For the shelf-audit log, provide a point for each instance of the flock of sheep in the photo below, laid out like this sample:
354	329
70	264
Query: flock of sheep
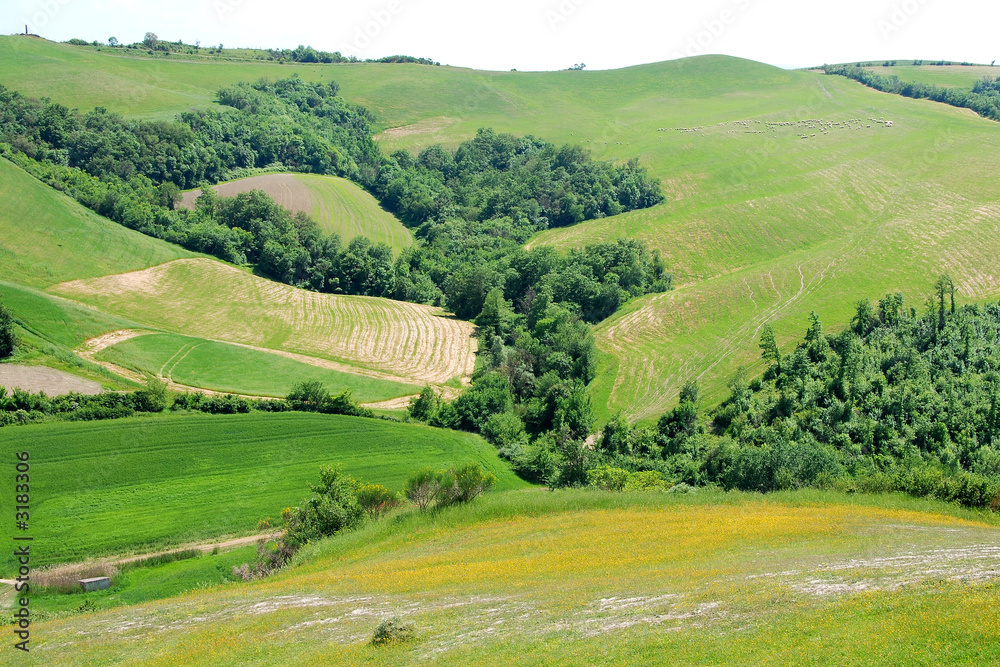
817	125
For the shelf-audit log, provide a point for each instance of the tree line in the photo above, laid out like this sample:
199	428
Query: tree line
905	399
984	98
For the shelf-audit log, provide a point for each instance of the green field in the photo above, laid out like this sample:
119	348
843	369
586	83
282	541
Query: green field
196	362
583	577
338	205
140	484
46	237
758	227
403	342
943	76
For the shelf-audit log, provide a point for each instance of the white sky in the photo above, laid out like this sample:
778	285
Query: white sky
542	34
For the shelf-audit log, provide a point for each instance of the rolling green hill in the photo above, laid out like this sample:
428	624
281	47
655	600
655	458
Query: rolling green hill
576	577
761	225
336	204
138	484
47	238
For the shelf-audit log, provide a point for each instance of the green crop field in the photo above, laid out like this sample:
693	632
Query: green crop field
46	237
337	204
583	577
761	225
139	484
195	362
205	298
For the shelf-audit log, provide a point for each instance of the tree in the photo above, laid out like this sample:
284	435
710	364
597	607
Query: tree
112	42
769	346
150	40
8	338
308	396
944	287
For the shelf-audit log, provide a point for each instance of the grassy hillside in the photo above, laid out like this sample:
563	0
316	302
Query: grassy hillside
575	578
760	226
943	76
46	237
205	298
196	362
109	487
338	205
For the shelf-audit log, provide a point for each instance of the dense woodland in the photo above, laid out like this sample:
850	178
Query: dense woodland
901	400
984	98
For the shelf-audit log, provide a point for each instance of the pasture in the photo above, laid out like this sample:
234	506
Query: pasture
578	577
146	483
222	367
336	204
46	237
943	76
391	340
762	225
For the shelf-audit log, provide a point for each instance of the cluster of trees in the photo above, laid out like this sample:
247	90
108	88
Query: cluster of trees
900	401
473	208
340	503
8	334
22	407
984	98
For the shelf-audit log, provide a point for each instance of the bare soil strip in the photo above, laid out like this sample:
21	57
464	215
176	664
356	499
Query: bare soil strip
41	378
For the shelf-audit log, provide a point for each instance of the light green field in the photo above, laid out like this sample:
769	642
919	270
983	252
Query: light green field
338	205
577	577
204	364
46	237
139	484
944	76
401	342
758	228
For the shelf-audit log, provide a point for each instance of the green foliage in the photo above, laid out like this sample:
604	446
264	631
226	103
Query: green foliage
392	631
609	478
425	406
8	336
422	487
313	396
376	499
984	98
463	484
332	507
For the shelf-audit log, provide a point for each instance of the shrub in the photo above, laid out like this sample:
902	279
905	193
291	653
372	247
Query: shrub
377	499
392	631
461	485
333	507
151	398
422	487
618	479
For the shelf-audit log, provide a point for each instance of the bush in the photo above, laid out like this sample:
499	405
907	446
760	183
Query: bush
462	485
392	631
619	479
333	507
422	487
377	499
151	398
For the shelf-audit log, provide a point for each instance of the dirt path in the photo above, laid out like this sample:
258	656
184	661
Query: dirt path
203	547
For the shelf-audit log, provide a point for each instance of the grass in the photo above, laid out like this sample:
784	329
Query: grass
582	577
64	240
758	228
338	205
943	76
205	298
230	368
141	484
135	585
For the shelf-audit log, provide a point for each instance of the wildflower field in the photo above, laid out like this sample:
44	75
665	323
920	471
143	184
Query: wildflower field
574	577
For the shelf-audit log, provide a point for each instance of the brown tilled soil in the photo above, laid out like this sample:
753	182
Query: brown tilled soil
286	190
42	378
